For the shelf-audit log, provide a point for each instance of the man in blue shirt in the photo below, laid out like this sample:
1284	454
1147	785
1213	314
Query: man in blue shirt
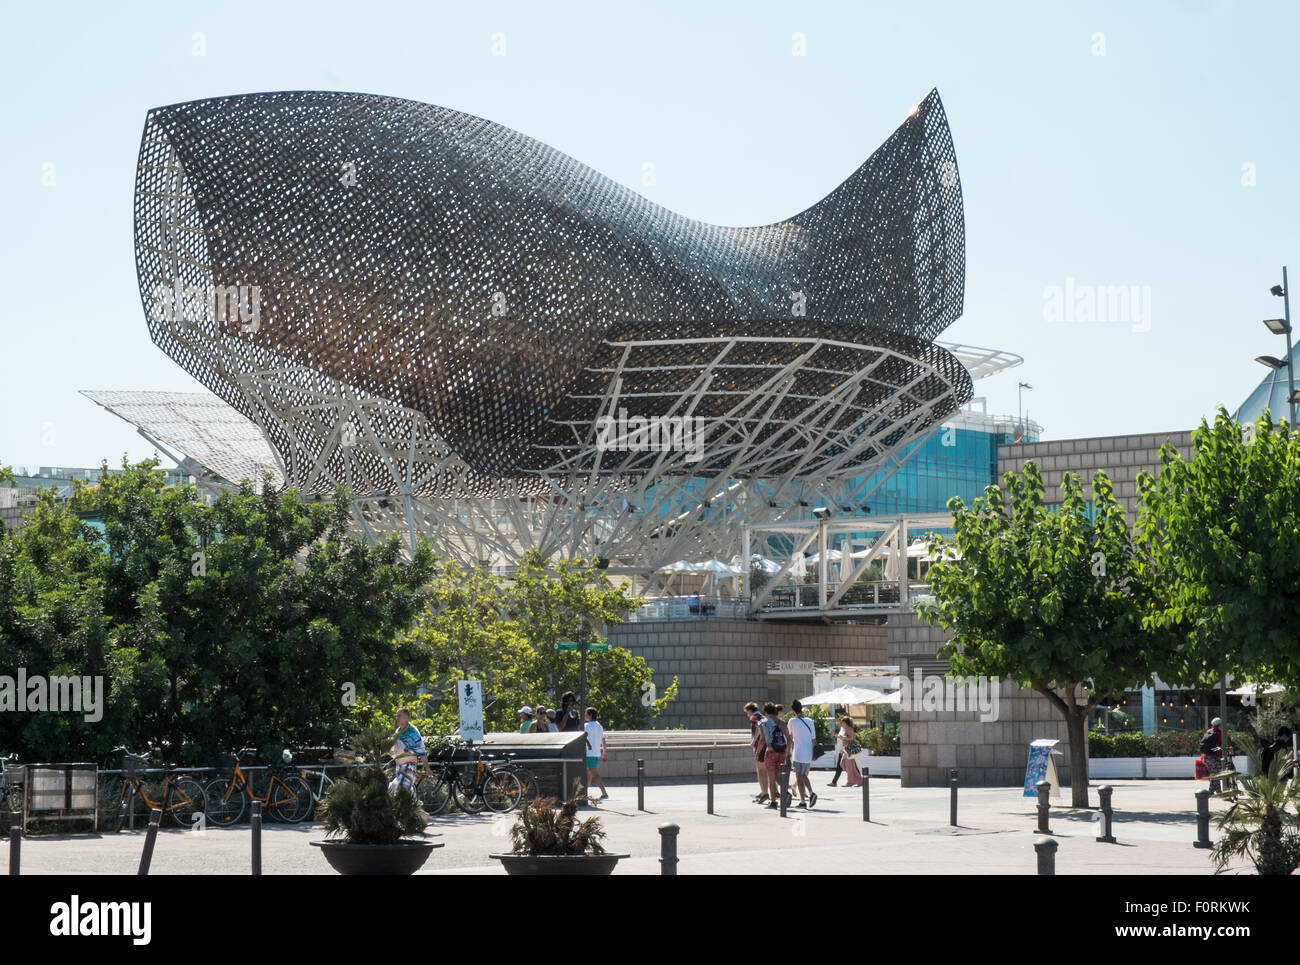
408	747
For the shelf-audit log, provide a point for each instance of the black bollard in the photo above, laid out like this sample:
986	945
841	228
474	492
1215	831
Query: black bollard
952	797
155	816
1044	806
640	784
668	849
1105	831
1203	820
255	822
709	769
1045	848
785	785
15	842
866	794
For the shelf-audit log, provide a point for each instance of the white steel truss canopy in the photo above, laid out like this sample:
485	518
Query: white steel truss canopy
848	548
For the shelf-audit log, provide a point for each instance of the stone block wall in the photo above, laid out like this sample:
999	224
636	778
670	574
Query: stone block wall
1122	458
987	754
721	664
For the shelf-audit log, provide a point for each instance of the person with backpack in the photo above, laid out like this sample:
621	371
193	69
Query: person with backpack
773	740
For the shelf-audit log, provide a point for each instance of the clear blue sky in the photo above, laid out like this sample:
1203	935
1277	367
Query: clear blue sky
1119	169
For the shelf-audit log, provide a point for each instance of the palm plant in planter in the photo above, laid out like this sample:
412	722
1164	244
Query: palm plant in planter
1263	821
372	822
551	840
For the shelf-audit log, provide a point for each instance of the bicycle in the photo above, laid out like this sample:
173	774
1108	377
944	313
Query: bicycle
180	798
288	798
474	789
322	781
12	775
527	779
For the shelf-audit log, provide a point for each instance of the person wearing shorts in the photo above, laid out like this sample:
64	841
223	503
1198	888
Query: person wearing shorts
755	718
772	759
408	748
803	734
595	751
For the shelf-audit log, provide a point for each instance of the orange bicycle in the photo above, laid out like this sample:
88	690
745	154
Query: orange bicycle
179	797
287	798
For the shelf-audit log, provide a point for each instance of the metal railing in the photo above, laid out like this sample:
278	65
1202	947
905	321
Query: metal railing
674	608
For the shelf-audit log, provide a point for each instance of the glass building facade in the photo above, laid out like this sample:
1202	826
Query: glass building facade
958	460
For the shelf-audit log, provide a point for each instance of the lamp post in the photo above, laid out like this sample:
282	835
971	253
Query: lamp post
1020	410
1282	326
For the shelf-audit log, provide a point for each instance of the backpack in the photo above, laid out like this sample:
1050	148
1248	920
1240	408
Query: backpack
777	742
1208	742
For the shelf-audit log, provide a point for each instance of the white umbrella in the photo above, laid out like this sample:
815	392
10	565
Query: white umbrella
843	695
895	698
681	566
1263	690
832	555
763	564
718	568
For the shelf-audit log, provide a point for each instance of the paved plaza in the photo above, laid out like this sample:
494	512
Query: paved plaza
909	833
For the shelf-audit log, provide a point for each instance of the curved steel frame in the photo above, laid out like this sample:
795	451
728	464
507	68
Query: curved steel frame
439	312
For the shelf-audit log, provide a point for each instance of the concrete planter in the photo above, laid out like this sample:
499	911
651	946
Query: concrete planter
558	864
1137	768
403	858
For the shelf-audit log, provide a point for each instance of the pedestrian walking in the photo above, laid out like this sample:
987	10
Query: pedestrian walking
773	739
803	734
760	772
595	751
1212	748
842	736
848	756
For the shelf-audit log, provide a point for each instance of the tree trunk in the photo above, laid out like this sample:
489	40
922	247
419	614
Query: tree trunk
1076	729
1076	723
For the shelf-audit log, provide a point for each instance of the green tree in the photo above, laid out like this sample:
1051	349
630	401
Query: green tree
574	600
467	633
480	626
52	623
249	621
1046	597
1222	532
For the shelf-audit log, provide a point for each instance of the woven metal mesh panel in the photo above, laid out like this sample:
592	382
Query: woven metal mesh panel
470	289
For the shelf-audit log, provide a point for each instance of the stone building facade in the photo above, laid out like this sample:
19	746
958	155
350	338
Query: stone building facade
721	664
1122	458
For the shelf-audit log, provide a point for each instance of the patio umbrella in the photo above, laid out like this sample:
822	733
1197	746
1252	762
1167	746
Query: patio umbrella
832	555
843	695
1262	690
895	698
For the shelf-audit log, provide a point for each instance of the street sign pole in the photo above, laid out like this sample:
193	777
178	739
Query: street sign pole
582	684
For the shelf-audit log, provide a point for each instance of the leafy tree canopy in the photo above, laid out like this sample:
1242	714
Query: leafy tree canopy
1222	532
1048	597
